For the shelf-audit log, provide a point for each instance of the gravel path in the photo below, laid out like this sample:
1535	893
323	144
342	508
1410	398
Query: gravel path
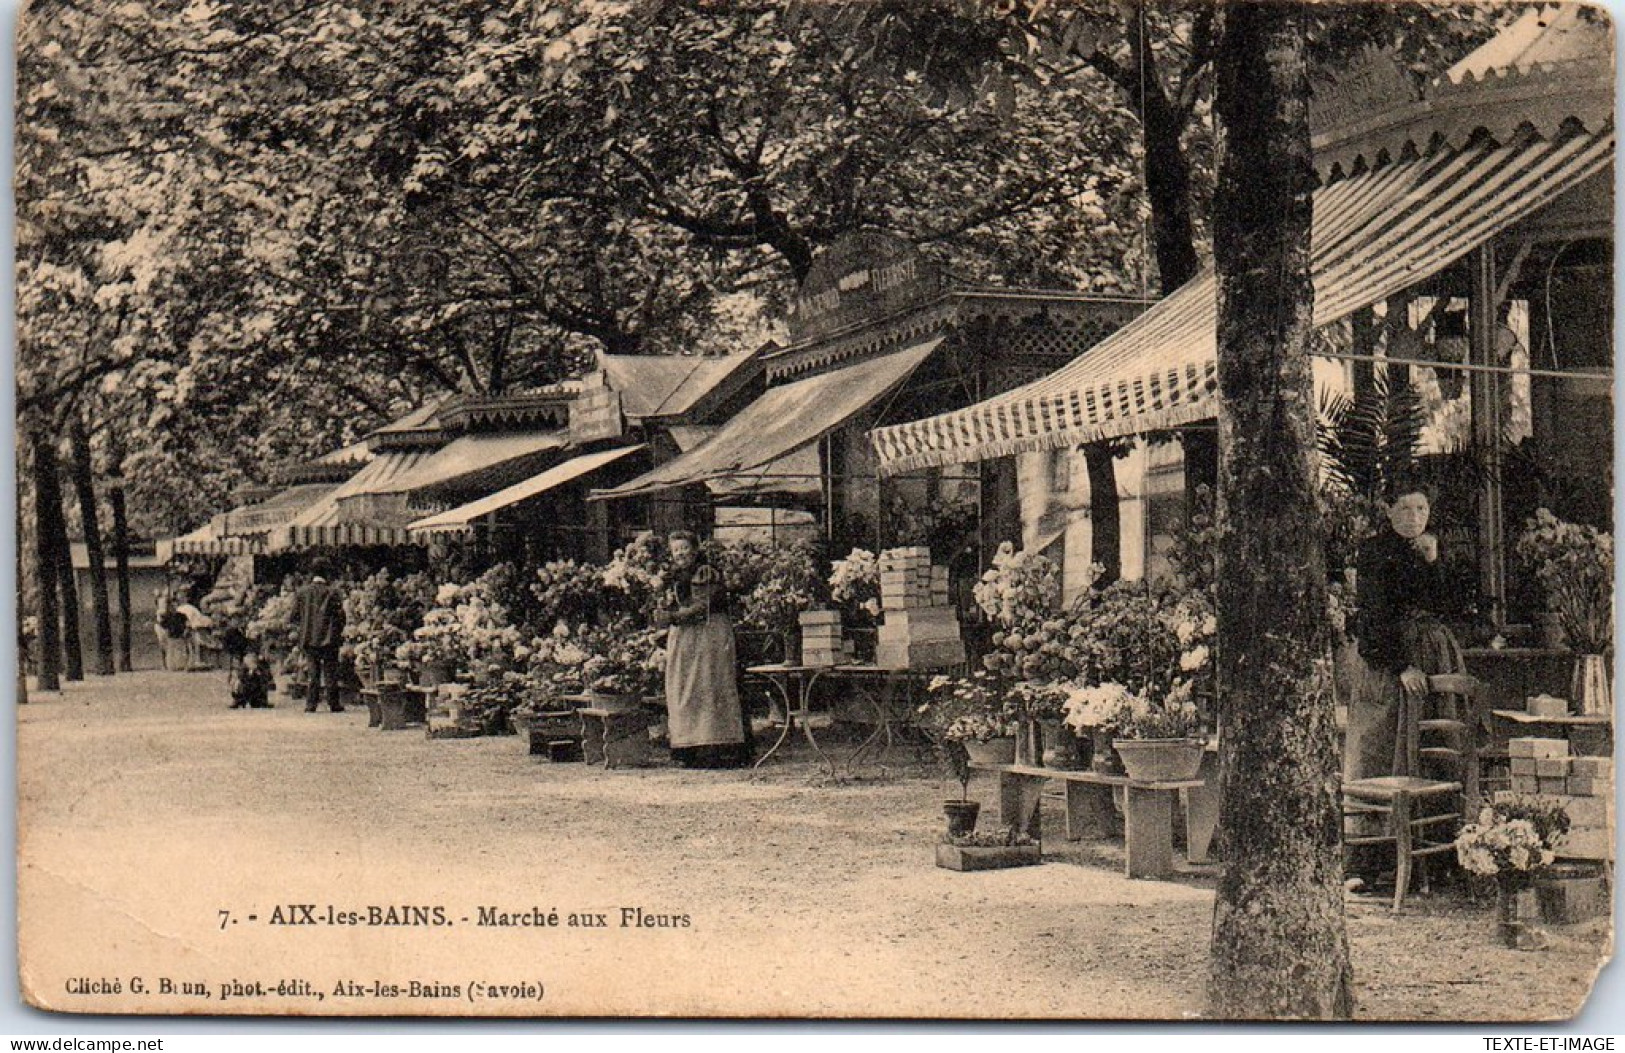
147	808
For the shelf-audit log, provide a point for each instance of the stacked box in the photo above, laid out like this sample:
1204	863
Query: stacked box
1546	706
920	628
1591	777
1538	765
1538	748
821	642
906	577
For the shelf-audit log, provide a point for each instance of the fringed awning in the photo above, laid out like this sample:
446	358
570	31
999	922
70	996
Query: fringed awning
1374	235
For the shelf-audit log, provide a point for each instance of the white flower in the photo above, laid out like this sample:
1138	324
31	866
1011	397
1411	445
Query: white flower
1194	659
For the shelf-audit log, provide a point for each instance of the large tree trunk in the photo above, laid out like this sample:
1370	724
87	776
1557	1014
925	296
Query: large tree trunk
84	485
1280	947
42	463
121	552
1105	522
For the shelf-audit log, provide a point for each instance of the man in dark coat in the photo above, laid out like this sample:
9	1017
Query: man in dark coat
318	611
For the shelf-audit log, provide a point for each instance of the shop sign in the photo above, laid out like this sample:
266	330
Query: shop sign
596	412
1373	82
864	276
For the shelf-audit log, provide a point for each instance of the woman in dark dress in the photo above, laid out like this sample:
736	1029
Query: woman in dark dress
1401	594
704	717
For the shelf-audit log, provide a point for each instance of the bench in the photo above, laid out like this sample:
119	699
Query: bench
1148	811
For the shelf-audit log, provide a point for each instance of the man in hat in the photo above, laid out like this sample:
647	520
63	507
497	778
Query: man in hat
318	611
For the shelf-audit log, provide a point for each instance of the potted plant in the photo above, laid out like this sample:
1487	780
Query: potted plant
961	814
1575	567
1513	841
972	711
854	588
1157	738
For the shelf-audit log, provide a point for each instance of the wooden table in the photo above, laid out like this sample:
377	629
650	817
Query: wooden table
1588	734
1148	812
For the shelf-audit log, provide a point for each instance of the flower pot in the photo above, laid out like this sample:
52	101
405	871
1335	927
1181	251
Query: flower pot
433	674
1551	632
1030	744
1103	758
605	700
1063	749
993	751
1590	692
1160	760
1517	912
792	648
961	816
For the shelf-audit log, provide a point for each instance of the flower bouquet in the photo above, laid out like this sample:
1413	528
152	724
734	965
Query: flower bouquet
1512	841
1575	567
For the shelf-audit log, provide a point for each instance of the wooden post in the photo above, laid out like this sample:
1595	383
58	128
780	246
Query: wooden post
1485	386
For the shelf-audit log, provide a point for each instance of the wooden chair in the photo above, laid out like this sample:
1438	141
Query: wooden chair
1421	813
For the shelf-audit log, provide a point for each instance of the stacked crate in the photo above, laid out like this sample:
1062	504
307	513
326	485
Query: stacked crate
1582	785
920	629
821	642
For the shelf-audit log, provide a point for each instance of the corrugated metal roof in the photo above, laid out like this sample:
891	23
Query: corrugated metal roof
1374	235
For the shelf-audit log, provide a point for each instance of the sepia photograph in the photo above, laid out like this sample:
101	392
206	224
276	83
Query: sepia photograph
813	510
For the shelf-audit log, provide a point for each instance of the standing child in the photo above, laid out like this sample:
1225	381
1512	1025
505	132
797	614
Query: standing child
251	686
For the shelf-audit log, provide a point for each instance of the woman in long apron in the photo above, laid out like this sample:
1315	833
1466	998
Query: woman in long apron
704	718
1402	641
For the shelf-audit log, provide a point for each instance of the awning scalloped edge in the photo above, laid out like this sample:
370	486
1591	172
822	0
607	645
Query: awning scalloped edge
1168	417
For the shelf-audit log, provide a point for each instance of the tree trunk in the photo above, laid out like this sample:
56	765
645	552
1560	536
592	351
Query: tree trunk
84	485
1167	172
1280	946
73	660
49	631
121	553
1105	523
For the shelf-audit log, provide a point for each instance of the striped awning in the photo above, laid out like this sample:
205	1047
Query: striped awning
1375	234
461	520
207	540
783	420
275	511
324	523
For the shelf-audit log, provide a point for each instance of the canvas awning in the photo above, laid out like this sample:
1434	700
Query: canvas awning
1375	234
783	420
798	472
461	520
277	510
208	540
478	462
324	523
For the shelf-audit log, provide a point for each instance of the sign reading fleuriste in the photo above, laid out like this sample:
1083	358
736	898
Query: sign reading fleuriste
863	276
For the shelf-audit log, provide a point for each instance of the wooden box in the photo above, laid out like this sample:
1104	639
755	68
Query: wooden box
973	857
1571	894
